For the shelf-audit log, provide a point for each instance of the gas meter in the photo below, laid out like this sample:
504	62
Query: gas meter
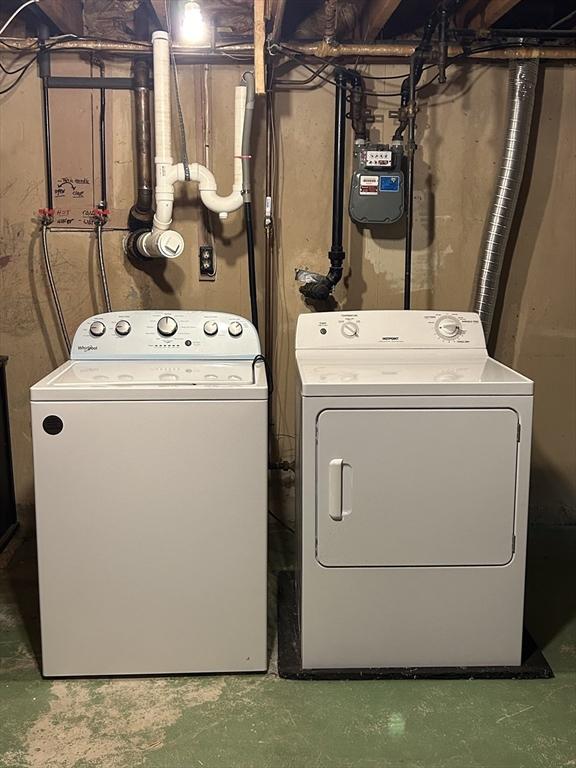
377	191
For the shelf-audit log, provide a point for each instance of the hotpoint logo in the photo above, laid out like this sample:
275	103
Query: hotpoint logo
87	348
390	338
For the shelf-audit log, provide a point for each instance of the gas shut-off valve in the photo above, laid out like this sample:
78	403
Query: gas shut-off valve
377	190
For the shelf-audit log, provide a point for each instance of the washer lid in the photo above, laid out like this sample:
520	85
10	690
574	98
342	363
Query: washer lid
153	380
356	373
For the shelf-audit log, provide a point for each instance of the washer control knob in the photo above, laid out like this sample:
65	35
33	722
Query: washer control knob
123	328
235	329
167	326
210	327
448	327
97	328
350	330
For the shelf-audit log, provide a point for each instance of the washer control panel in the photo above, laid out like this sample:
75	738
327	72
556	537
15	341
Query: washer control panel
390	329
178	334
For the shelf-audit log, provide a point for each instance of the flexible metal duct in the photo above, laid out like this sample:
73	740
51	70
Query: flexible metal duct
522	85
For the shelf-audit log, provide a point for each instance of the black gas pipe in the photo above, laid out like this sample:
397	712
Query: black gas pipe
315	286
408	110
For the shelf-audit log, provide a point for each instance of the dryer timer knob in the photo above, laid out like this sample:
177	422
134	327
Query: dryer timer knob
449	327
350	330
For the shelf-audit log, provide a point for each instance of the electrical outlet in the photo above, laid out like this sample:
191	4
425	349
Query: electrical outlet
207	262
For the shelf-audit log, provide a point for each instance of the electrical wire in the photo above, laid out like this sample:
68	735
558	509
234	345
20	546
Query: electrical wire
306	81
55	40
465	54
102	265
18	48
381	94
281	522
16	12
15	82
267	368
392	77
53	289
12	71
25	67
563	20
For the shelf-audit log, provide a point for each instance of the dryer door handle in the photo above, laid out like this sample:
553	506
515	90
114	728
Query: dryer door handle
335	477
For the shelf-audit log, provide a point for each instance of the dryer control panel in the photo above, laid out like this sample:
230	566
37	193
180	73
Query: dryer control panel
392	329
165	334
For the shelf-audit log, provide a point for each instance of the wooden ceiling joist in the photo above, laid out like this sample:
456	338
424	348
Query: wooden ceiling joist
259	43
482	14
64	14
376	15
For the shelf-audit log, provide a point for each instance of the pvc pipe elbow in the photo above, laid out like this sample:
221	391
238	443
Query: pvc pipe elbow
208	189
198	173
214	202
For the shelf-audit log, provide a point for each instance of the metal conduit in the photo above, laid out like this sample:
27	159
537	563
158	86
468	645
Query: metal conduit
522	85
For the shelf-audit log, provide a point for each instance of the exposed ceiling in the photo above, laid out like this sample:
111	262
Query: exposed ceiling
354	20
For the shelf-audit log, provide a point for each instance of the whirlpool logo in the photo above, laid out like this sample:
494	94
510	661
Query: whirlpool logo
87	348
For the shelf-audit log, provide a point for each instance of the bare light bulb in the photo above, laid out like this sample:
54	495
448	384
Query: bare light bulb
194	27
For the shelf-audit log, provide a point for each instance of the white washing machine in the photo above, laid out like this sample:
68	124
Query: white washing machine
414	454
150	462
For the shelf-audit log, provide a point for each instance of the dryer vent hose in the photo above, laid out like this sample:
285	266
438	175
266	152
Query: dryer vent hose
522	85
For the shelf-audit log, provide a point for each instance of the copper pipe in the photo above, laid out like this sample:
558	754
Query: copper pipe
401	50
320	49
129	48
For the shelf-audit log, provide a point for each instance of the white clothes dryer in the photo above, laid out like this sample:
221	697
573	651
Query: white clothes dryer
414	455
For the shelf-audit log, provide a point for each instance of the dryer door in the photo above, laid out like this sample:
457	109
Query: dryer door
422	487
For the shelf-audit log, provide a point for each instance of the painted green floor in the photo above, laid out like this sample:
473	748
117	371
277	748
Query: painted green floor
262	721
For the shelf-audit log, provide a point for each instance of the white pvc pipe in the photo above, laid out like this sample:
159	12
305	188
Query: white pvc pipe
162	241
163	131
233	201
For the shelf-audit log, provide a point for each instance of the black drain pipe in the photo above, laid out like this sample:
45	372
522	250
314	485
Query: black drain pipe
315	286
141	213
